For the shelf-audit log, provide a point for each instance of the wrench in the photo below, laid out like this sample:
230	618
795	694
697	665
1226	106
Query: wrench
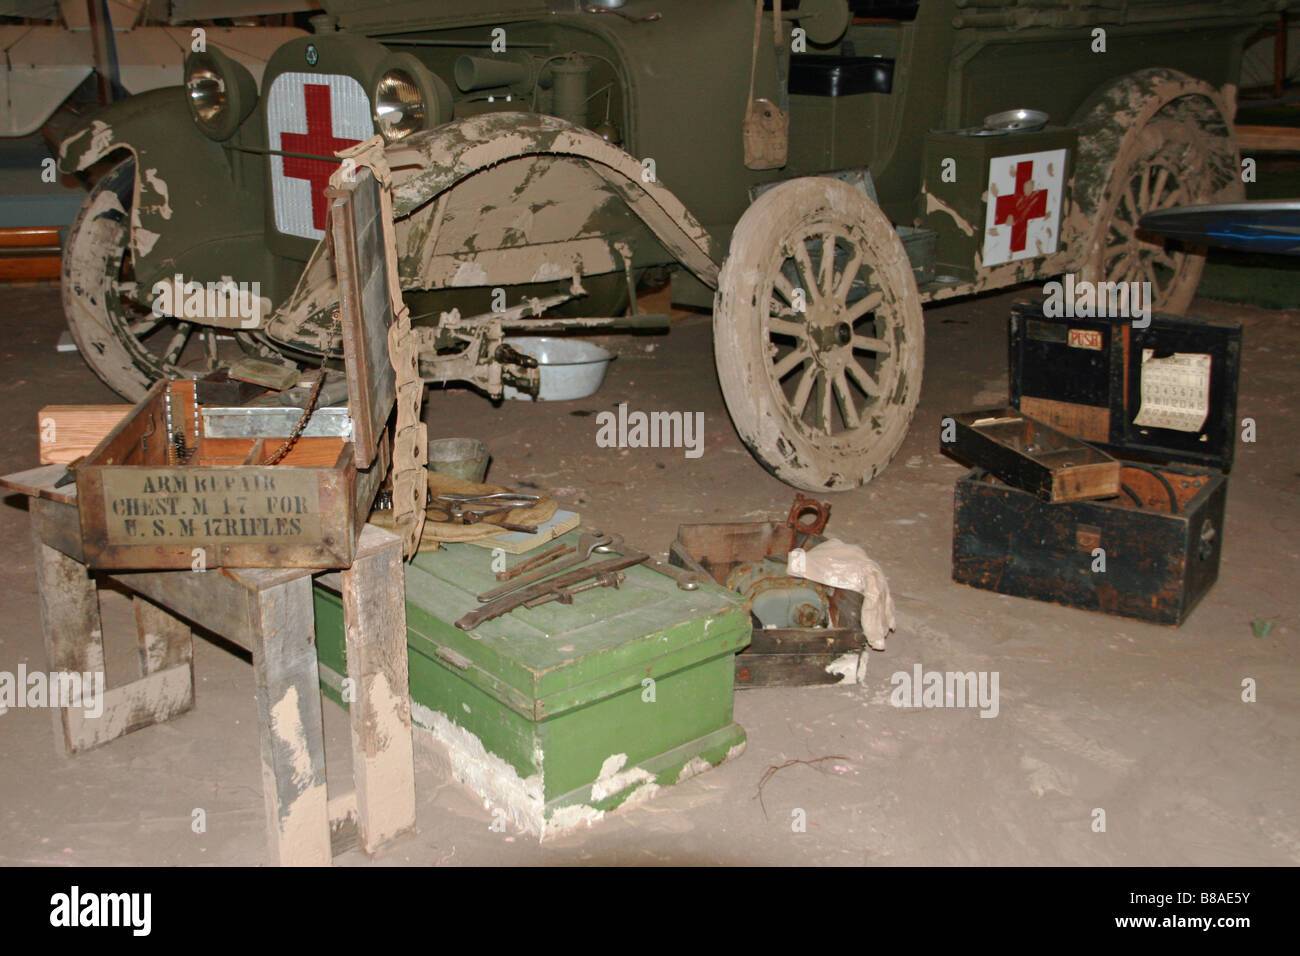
610	579
586	545
686	580
532	564
555	585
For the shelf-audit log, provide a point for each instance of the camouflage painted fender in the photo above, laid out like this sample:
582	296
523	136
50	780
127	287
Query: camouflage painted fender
201	228
564	188
508	199
1133	124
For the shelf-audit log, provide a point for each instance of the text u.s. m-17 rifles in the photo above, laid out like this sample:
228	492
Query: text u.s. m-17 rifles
155	505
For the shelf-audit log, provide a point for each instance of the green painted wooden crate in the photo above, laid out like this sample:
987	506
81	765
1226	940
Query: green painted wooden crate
557	714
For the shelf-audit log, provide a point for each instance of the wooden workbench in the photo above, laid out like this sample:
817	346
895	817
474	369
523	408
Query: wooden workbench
269	613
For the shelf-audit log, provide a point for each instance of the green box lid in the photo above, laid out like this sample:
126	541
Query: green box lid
545	660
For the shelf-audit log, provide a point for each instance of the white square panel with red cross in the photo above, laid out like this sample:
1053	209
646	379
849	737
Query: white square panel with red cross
310	114
1023	217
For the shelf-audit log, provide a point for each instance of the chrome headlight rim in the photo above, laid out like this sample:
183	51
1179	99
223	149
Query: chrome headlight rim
220	92
399	105
427	100
206	89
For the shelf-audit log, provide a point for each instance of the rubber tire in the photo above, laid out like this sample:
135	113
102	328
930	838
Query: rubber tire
1118	119
96	237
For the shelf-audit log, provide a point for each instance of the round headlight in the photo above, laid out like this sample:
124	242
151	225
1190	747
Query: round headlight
399	105
407	97
207	91
221	92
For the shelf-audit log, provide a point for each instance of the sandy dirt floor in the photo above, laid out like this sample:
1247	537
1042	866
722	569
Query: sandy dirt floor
1144	722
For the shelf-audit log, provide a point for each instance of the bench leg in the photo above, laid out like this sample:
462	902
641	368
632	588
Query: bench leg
165	640
74	640
289	710
374	612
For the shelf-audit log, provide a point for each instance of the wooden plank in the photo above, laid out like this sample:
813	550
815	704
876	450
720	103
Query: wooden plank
30	237
220	600
1269	138
55	524
365	307
832	641
67	432
165	640
30	268
39	483
142	703
70	625
374	611
785	670
1031	455
289	718
344	835
1089	422
271	375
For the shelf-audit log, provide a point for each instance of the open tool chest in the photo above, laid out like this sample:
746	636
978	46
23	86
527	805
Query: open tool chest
176	483
818	637
560	712
1162	401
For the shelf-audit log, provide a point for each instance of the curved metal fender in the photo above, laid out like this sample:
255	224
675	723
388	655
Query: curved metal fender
186	205
429	164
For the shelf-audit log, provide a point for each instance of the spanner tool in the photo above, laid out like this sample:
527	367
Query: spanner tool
686	580
586	545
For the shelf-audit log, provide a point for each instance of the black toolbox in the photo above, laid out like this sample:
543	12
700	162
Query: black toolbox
1162	399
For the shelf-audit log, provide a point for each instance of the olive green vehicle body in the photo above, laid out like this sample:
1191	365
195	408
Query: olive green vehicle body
680	88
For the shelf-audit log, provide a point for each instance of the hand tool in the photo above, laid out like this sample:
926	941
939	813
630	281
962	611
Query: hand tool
586	545
468	507
515	500
686	580
70	474
520	598
546	557
458	514
611	579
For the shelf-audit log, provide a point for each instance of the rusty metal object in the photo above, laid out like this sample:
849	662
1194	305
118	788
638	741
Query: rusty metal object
685	580
546	557
777	656
807	516
587	544
610	579
552	585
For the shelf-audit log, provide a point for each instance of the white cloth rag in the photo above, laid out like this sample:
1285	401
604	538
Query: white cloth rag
846	566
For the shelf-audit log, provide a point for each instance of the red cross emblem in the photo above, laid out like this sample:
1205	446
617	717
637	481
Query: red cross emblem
1021	206
319	140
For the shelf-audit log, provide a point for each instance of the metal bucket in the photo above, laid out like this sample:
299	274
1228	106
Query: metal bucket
465	458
